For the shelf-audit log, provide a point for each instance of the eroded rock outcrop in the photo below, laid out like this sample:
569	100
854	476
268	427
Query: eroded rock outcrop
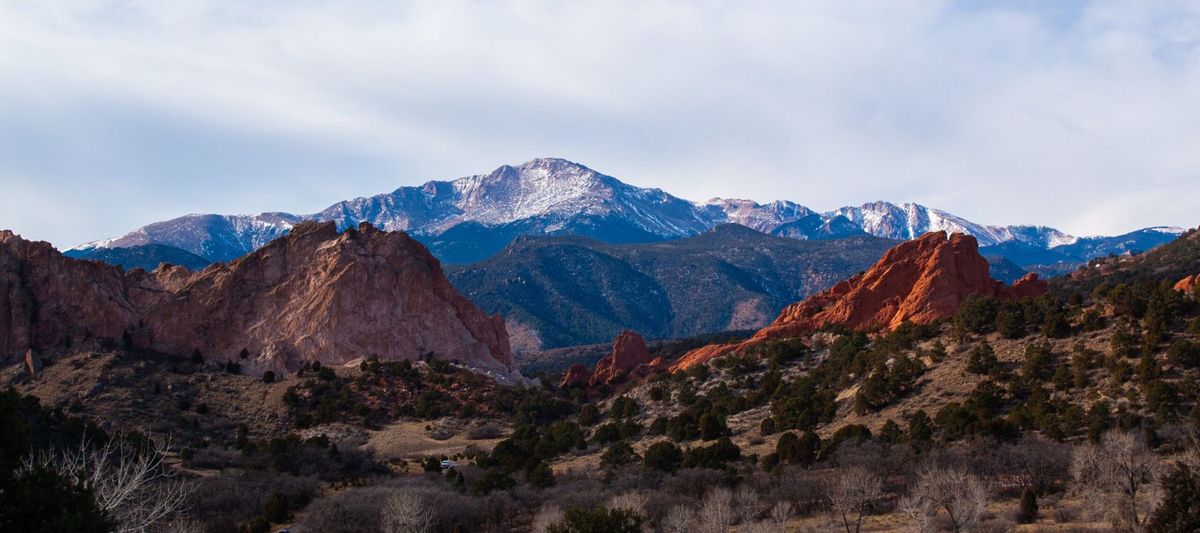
921	280
577	375
1187	285
628	359
628	353
315	294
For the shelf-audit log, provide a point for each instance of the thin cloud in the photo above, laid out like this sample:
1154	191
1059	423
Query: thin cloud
1074	114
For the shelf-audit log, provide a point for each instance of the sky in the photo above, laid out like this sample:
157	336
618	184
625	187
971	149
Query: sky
1083	116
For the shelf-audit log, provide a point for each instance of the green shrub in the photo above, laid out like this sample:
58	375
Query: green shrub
1028	510
714	456
712	427
891	432
1039	361
1184	353
276	508
624	407
920	427
1179	510
539	475
977	314
618	454
1010	322
767	427
589	415
42	501
491	480
982	359
663	456
886	384
798	450
598	520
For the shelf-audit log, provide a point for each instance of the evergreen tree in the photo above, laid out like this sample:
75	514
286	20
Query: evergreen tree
598	520
712	427
663	456
539	475
1011	323
1027	514
982	359
1179	510
42	501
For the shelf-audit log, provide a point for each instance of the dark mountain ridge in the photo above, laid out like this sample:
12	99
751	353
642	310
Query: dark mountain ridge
563	291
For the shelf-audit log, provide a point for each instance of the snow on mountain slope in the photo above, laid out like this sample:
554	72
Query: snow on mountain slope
556	197
762	217
213	237
909	221
552	190
559	195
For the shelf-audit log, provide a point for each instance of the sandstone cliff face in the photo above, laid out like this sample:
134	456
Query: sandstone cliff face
921	280
315	294
48	300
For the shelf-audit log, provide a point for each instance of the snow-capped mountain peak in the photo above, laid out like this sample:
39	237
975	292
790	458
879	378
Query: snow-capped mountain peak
910	220
557	196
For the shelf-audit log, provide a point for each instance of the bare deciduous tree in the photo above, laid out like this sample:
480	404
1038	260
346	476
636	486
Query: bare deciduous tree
1035	462
1117	478
131	484
680	519
747	504
850	492
920	510
963	496
634	501
781	512
406	512
547	516
716	512
775	523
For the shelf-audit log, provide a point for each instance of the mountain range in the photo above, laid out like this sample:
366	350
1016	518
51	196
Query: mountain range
559	291
471	218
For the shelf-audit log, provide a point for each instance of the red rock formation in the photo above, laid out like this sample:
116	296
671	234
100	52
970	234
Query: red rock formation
315	294
921	280
576	375
1187	285
628	353
629	358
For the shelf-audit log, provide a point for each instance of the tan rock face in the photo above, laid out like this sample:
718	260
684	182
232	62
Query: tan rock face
314	295
921	280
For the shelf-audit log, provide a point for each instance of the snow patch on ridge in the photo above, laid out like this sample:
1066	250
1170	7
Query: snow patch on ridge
551	195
